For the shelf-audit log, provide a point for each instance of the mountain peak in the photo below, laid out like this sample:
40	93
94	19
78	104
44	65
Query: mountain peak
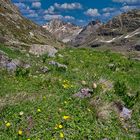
17	30
63	31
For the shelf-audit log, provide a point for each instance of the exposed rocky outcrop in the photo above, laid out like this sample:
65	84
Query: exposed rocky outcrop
122	30
63	31
37	49
84	36
18	31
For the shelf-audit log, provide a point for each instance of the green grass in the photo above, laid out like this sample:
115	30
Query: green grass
46	92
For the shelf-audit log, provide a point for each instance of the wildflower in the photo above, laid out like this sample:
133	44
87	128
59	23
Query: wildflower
60	109
94	85
56	127
39	110
65	86
126	129
20	132
8	124
61	135
28	139
66	117
60	126
83	82
21	113
65	102
89	110
65	81
44	97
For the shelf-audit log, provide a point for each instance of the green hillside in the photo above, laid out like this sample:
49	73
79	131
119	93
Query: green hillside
41	106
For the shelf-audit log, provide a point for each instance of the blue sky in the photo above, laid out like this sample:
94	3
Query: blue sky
79	12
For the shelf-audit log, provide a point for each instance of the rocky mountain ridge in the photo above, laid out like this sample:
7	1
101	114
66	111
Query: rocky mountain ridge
20	32
122	30
62	31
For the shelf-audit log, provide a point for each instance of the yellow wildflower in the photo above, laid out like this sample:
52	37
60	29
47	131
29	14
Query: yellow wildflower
66	117
126	129
8	124
89	110
65	81
60	126
44	97
21	113
61	135
65	102
56	127
65	86
20	132
38	110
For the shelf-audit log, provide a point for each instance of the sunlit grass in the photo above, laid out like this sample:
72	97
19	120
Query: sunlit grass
41	106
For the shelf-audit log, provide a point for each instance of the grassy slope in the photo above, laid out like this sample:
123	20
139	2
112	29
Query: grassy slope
45	92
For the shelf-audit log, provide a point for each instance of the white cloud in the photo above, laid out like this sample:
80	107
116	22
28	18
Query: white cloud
51	17
64	6
68	6
127	8
50	10
107	14
33	15
92	12
20	5
36	4
69	17
108	9
127	1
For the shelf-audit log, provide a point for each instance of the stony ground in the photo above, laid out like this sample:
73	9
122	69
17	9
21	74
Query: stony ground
81	94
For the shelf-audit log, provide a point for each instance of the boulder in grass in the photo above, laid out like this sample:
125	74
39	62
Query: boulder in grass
39	50
83	93
11	66
44	69
125	113
57	64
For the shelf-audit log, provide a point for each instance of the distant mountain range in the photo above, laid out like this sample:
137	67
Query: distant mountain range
63	31
121	30
15	30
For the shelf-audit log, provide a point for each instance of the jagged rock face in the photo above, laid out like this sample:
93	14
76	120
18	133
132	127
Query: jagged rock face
62	31
16	30
122	24
121	30
128	22
84	35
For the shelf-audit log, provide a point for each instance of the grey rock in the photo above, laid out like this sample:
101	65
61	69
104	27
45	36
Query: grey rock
126	113
26	66
38	50
44	69
11	66
57	64
83	93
